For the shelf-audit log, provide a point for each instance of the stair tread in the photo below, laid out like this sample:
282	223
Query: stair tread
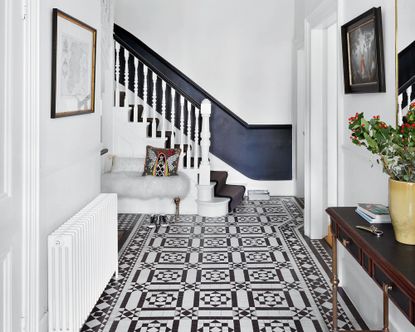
216	200
235	193
231	189
218	174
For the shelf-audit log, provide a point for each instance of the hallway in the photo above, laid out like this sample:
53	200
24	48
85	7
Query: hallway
250	271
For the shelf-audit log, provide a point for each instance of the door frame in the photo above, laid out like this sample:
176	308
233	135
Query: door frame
316	23
31	168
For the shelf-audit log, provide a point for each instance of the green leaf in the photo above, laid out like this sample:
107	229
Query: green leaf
365	123
371	142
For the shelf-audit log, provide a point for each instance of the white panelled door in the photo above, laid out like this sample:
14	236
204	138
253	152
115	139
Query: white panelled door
11	164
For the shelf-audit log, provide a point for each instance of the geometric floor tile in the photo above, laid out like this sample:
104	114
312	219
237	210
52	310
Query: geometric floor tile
252	271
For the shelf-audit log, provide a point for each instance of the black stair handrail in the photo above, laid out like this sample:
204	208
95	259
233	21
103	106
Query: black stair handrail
133	51
406	85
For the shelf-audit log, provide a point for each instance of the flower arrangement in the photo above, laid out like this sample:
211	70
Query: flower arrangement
395	146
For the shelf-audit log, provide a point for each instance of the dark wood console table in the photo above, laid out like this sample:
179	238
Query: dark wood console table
390	264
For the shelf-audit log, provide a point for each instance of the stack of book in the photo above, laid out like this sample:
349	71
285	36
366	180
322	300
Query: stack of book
374	213
258	195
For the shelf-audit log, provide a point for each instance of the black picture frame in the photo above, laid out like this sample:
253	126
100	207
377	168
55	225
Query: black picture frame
363	56
83	95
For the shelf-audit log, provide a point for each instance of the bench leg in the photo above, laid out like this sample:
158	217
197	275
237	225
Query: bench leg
177	202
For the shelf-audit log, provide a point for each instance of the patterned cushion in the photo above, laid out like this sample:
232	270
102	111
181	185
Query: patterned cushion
161	162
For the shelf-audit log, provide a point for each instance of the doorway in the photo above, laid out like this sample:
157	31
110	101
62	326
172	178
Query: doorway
320	114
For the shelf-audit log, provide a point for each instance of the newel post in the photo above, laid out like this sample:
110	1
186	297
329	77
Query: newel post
204	172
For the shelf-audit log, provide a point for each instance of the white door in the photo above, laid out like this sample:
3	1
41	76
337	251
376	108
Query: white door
11	144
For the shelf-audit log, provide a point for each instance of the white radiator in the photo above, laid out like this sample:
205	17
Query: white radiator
83	256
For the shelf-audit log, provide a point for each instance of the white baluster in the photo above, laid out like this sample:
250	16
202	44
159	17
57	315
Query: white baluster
163	110
181	123
196	144
400	116
153	131
189	133
204	172
135	108
409	93
126	77
117	74
173	117
145	94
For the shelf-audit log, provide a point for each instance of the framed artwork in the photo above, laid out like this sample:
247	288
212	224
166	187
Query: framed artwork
363	59
73	66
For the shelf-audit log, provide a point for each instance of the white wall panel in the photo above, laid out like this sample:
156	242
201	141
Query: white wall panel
406	24
5	64
5	293
2	91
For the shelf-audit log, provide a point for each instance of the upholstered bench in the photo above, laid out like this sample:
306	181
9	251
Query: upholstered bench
124	176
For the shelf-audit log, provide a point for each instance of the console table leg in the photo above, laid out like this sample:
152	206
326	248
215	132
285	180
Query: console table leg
334	281
386	290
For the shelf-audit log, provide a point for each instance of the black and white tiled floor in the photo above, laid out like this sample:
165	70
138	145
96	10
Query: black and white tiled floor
250	271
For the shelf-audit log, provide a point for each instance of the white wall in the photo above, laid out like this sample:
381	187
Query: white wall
361	181
237	50
69	147
406	23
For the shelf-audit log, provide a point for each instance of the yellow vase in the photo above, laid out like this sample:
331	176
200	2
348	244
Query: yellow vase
402	210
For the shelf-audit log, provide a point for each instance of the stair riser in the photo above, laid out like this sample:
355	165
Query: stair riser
205	193
212	210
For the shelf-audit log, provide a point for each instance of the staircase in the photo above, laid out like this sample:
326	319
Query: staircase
148	110
262	144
